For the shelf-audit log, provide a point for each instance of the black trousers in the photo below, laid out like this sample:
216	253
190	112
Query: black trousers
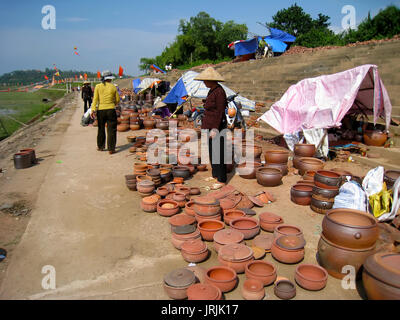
219	167
87	104
108	116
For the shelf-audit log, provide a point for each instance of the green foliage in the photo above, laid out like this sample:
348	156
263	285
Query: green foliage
319	37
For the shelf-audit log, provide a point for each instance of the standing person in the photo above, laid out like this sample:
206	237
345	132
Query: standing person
105	99
87	95
214	120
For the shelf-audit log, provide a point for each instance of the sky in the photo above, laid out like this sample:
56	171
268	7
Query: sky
120	32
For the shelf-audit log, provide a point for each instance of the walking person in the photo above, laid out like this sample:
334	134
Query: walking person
87	95
214	120
106	98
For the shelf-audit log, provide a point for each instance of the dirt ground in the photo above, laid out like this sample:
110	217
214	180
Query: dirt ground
83	221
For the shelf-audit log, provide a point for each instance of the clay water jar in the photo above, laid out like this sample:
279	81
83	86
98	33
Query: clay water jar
227	236
235	256
223	277
285	289
326	179
309	164
182	224
232	214
248	226
276	156
178	239
269	177
262	271
288	230
194	251
288	249
181	172
381	276
350	228
281	166
180	198
269	221
253	289
208	228
301	194
375	138
167	208
247	170
177	282
204	291
304	150
311	277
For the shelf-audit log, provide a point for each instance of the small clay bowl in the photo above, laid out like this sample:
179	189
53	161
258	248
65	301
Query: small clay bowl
194	191
248	226
285	289
311	277
162	191
225	278
253	289
262	271
232	214
287	230
167	208
208	228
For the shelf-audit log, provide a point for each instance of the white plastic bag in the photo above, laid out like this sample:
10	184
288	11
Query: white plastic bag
351	196
373	181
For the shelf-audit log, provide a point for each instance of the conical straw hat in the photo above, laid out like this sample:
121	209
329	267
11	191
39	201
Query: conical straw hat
210	74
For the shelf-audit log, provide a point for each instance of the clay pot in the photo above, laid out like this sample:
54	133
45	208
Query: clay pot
253	289
288	249
207	209
145	186
167	208
309	175
181	172
381	276
311	277
122	127
285	289
223	277
194	251
180	198
248	226
208	228
247	170
227	236
178	239
22	160
304	150
149	124
350	228
32	154
182	224
204	291
301	194
375	138
296	162
162	191
320	204
390	177
269	221
276	156
326	179
200	218
326	193
134	127
194	191
309	164
247	151
149	204
269	177
333	257
232	214
287	230
202	167
235	256
282	166
262	271
177	282
189	208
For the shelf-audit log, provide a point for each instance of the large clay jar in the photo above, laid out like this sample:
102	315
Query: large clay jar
375	138
122	127
235	256
301	194
194	251
269	177
276	156
227	236
181	172
304	150
177	282
311	277
208	228
247	170
309	164
248	226
327	179
333	257
145	186
269	221
350	228
288	249
381	276
253	289
223	277
204	291
261	270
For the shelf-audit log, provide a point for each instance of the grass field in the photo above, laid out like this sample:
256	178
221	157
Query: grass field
24	106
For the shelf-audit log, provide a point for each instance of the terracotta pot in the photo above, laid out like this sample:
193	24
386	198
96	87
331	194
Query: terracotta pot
232	214
276	156
310	164
381	276
122	127
178	239
177	282
262	271
301	194
326	179
309	175
288	249
296	162
194	251
182	224
333	257
227	236
287	230
207	210
178	197
149	124
194	191
326	193
320	204
253	289
134	126
248	226
269	221
204	291
247	170
149	204
285	289
200	218
189	208
202	167
269	177
162	191
235	256
350	228
304	150
181	172
145	186
375	138
223	277
311	277
208	228
167	208
282	166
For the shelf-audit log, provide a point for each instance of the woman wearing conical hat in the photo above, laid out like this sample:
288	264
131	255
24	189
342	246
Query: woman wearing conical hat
214	121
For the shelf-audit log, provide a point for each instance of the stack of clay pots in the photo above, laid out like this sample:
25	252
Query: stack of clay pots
140	168
130	180
288	245
155	175
145	188
302	150
134	121
277	159
206	208
325	189
124	123
348	238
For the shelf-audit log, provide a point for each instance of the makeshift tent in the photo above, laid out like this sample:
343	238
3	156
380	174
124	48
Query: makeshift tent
322	102
147	83
246	47
186	86
135	85
157	69
276	45
277	34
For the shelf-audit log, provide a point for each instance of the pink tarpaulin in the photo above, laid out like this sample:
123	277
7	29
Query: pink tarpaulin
322	102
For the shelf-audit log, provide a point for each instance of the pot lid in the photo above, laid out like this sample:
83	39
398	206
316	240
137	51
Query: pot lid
249	212
384	266
179	278
269	217
228	236
194	246
226	203
205	200
264	241
256	201
203	291
291	242
235	252
181	220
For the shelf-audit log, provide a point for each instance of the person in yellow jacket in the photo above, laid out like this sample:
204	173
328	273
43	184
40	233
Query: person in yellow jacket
105	99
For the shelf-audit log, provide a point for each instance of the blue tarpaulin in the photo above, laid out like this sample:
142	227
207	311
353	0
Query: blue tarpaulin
276	45
281	35
176	93
135	85
246	47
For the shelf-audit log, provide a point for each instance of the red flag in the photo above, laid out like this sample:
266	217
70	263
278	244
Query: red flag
121	71
46	77
98	74
76	77
85	76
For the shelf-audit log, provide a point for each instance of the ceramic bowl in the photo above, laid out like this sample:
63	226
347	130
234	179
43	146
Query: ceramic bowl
223	277
285	289
248	226
208	228
253	289
311	277
262	271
